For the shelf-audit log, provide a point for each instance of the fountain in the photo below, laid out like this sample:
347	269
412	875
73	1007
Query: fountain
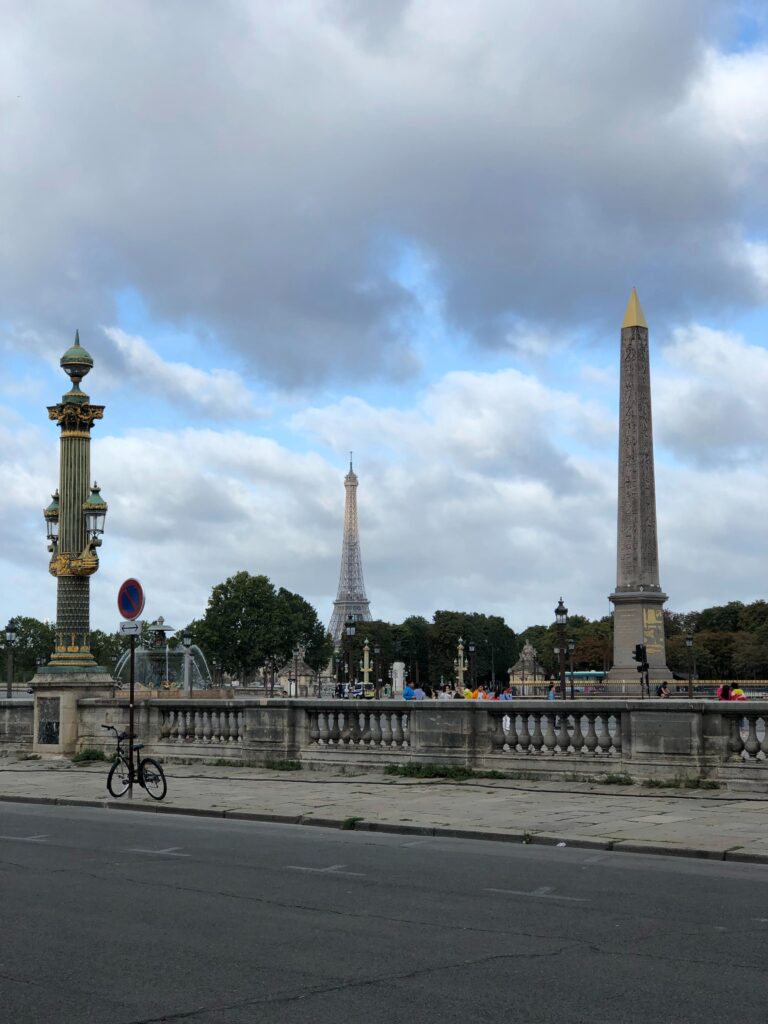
158	666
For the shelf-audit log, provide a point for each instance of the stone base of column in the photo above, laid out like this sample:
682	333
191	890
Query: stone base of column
56	693
638	618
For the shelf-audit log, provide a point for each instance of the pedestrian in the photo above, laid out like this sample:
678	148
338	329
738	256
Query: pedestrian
418	693
506	693
552	692
737	693
469	693
662	690
408	693
445	693
724	692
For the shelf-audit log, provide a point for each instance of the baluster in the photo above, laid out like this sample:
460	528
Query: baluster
563	739
189	726
314	726
405	720
345	727
333	717
397	729
511	732
497	732
198	726
232	727
764	744
365	738
577	736
385	723
206	727
524	733
753	743
215	727
549	718
616	738
377	738
324	728
601	727
735	743
537	738
590	740
173	735
240	719
165	725
354	729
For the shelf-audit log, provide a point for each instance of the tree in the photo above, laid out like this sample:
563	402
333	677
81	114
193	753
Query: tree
240	625
297	623
34	639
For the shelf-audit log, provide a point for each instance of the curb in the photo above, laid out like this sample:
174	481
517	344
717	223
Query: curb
734	854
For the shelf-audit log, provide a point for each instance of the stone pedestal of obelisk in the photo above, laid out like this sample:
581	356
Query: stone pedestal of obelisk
638	599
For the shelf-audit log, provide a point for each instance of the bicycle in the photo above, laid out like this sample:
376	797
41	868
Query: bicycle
147	773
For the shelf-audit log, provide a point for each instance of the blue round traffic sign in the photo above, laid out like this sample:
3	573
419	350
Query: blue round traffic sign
130	599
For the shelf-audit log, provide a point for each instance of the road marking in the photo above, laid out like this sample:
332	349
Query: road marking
416	842
334	869
170	851
26	839
544	892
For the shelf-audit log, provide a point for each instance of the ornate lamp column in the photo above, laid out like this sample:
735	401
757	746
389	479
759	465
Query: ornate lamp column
75	520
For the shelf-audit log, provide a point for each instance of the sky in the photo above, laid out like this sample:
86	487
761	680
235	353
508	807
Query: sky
406	228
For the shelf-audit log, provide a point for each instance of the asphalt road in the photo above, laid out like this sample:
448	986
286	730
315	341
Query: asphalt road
122	917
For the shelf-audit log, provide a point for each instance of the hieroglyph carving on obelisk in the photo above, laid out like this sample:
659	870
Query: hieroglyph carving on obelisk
638	599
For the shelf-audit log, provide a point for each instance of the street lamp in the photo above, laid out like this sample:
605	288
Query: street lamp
472	664
95	512
377	671
10	636
571	649
460	664
350	630
689	649
561	618
186	640
52	522
296	653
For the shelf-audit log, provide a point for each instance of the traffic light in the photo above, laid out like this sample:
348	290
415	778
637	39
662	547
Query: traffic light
641	657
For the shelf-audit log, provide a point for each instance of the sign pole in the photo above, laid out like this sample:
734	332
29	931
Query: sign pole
131	685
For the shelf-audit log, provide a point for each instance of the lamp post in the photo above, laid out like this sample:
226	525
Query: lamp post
493	664
689	650
10	637
296	653
74	520
460	664
350	631
186	640
366	665
472	664
377	671
561	618
571	649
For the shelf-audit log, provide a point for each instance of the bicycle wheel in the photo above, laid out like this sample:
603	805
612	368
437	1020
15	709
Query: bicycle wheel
117	780
152	779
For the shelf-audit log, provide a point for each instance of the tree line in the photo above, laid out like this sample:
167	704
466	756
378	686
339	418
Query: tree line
251	625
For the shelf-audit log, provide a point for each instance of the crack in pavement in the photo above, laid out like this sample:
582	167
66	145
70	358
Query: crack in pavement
344	986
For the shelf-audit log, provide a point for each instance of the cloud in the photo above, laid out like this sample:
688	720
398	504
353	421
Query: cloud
246	167
220	394
709	399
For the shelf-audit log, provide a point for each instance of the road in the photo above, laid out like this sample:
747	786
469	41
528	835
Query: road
121	917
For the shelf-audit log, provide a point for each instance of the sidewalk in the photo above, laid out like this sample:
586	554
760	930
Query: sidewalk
692	823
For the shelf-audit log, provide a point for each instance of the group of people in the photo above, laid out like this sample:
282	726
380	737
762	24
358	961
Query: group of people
448	692
728	692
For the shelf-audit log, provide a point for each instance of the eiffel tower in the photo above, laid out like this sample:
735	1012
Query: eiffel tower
350	599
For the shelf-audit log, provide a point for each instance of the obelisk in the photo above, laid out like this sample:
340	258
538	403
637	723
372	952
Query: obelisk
638	599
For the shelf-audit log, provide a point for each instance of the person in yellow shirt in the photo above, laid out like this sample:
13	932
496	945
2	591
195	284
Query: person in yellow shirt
469	693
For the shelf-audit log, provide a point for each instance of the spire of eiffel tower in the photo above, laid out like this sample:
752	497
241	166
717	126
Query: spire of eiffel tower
350	599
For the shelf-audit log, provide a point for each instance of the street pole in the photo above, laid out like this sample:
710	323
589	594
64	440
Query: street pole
561	617
131	694
688	647
9	673
571	648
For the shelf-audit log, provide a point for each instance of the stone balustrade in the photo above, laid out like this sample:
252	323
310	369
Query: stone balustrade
535	738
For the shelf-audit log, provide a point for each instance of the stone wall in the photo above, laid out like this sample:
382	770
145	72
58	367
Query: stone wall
16	718
646	739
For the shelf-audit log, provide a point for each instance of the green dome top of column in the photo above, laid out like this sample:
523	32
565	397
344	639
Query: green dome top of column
76	362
